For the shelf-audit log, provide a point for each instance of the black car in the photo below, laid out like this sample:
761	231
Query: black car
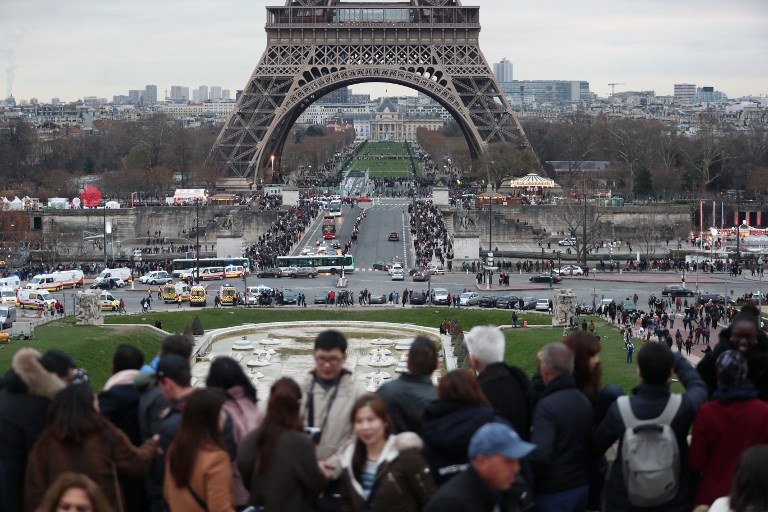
378	298
269	272
508	302
714	297
546	278
290	297
108	284
528	303
394	237
416	269
422	275
418	298
381	265
677	291
487	301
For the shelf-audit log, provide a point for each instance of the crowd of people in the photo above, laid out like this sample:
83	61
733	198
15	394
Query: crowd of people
490	439
281	236
430	236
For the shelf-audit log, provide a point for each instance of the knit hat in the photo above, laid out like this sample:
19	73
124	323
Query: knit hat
731	368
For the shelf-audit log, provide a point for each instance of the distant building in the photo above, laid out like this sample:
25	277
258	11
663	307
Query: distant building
150	94
340	95
525	92
135	96
203	91
503	71
708	95
684	92
392	123
179	92
215	93
225	94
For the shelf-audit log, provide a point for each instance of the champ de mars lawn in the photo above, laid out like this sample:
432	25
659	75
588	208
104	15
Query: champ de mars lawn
92	347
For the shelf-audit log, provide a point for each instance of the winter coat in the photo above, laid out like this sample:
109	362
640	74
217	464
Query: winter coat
211	480
757	361
562	428
245	416
407	397
469	493
337	427
24	398
292	481
403	481
446	434
92	456
722	431
648	402
508	389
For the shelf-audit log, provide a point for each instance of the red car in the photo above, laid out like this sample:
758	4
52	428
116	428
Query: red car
394	237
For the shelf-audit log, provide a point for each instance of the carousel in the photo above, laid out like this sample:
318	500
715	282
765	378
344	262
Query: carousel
531	188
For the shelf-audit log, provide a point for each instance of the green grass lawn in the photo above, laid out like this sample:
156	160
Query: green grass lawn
385	149
92	347
383	168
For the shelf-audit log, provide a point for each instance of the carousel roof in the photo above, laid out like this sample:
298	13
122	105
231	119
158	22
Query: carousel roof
532	180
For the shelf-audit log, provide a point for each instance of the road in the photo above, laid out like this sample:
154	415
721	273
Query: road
386	216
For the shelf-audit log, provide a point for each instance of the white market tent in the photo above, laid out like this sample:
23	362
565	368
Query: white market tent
16	204
190	195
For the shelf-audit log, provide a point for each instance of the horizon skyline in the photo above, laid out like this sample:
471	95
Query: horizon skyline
603	42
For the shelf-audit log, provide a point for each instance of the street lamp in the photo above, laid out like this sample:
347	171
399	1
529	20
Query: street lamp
760	298
272	163
738	239
197	240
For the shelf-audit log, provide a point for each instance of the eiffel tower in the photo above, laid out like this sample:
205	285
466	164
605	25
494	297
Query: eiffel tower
317	46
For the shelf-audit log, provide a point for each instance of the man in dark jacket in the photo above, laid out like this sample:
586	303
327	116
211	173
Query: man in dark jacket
745	336
562	429
408	395
27	390
506	387
491	482
655	364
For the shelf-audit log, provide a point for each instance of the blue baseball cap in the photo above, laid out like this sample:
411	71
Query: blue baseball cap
498	439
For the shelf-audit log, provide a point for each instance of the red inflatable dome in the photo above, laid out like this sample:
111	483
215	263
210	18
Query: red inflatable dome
91	197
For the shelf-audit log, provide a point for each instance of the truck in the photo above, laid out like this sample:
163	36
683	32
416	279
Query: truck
123	273
7	316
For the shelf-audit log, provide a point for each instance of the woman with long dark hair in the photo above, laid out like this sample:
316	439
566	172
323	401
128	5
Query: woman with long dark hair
451	420
198	469
383	471
749	489
78	438
240	404
277	460
74	491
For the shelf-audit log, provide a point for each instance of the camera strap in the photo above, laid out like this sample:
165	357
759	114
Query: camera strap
311	403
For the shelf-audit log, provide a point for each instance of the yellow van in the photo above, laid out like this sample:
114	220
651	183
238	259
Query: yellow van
227	295
197	296
173	290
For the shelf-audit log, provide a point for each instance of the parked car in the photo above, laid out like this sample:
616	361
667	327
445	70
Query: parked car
294	272
156	277
381	265
628	305
468	299
394	237
378	298
546	278
677	291
508	302
528	303
436	269
418	298
320	298
487	301
567	242
440	296
108	283
541	305
290	296
422	275
569	270
269	272
714	297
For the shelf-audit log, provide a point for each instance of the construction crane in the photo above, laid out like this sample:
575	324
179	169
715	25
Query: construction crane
613	87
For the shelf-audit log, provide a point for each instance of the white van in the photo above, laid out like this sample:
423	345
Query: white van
10	282
123	273
29	299
234	271
209	273
156	277
8	296
70	278
108	301
49	282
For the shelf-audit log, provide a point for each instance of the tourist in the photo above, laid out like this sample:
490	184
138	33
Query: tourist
277	460
749	489
562	428
198	468
725	427
78	438
329	392
76	492
655	365
26	392
408	396
239	404
450	421
491	483
383	471
506	387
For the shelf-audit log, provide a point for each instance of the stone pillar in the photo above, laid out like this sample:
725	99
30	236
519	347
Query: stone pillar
564	305
440	196
290	196
466	247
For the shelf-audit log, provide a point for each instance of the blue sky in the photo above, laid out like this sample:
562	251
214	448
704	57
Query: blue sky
101	48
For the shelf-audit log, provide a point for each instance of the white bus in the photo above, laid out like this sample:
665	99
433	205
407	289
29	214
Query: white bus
333	264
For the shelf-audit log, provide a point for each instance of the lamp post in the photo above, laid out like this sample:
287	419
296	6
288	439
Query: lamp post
272	164
197	240
104	240
760	289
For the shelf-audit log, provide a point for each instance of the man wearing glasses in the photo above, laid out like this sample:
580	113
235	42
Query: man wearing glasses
329	393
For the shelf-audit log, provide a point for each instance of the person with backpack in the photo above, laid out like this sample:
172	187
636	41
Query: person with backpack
644	475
